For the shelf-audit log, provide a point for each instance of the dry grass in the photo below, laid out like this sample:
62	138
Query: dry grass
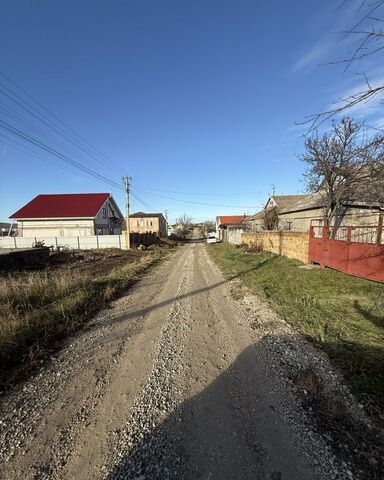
38	308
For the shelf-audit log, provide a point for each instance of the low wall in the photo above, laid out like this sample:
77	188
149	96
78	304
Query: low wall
75	243
234	235
91	242
286	243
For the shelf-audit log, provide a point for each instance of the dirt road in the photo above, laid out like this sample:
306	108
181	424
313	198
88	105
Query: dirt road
177	380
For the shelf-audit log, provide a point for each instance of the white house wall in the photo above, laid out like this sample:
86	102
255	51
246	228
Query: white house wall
56	228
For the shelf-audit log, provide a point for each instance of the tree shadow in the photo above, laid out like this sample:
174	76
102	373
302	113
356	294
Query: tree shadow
169	301
233	428
239	427
369	315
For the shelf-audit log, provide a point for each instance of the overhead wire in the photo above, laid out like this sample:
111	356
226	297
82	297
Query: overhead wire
65	158
73	136
55	144
146	189
201	203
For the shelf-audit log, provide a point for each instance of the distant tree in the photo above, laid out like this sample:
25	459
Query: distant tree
344	166
209	226
184	225
270	220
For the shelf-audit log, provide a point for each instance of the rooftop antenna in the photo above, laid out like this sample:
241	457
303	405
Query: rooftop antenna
273	190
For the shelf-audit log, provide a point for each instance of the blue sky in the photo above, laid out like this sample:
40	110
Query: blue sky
195	96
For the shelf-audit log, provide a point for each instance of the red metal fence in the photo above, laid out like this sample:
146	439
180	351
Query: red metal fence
357	250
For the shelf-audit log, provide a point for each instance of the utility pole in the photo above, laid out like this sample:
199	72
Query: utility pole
126	188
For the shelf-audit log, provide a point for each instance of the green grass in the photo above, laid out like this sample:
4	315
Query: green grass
341	314
37	309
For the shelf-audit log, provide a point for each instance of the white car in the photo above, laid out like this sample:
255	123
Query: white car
211	240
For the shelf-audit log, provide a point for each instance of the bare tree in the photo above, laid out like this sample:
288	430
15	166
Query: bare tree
209	226
367	37
184	225
270	220
344	167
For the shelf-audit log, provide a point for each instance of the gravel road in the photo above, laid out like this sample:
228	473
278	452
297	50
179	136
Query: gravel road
177	380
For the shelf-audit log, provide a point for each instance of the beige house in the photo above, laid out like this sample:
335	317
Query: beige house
69	215
141	222
280	202
299	215
296	212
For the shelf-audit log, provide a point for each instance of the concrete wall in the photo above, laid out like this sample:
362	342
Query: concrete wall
75	242
234	235
289	244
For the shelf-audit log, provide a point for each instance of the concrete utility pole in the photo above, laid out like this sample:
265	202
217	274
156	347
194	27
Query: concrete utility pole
166	221
126	187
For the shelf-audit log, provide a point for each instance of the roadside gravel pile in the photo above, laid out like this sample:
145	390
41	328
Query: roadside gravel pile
145	447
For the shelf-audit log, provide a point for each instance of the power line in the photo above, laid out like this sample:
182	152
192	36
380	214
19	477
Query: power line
72	136
142	202
146	189
52	151
201	203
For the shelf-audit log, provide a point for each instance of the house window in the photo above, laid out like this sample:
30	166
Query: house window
138	223
289	225
149	223
104	212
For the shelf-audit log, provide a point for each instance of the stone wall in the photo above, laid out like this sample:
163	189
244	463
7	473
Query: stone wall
289	244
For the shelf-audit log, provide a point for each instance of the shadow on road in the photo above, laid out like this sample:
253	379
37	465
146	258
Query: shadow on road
169	301
232	429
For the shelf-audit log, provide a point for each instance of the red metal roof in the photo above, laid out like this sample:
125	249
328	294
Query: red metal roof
231	219
70	205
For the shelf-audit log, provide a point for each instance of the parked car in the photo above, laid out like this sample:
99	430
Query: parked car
211	239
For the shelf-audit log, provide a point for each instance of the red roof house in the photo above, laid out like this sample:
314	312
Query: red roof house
225	221
73	214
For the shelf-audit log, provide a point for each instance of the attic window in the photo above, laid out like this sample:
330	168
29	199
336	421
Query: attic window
104	212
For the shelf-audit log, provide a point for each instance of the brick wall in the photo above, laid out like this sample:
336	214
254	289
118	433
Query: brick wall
289	244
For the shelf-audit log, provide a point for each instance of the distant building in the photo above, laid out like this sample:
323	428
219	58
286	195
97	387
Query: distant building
224	221
280	202
141	222
296	212
67	215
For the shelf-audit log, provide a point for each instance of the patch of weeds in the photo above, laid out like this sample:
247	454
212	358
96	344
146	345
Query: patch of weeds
39	309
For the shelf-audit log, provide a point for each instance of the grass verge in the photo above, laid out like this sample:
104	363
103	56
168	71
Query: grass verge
341	314
38	309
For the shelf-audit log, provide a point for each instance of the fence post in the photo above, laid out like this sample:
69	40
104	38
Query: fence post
78	243
349	234
97	241
57	246
324	232
120	242
14	239
379	229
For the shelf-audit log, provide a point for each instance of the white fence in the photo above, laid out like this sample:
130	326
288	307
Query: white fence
73	243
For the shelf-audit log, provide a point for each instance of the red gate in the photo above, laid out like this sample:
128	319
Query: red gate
357	251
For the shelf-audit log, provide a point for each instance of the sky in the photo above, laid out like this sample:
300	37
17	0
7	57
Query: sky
197	100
